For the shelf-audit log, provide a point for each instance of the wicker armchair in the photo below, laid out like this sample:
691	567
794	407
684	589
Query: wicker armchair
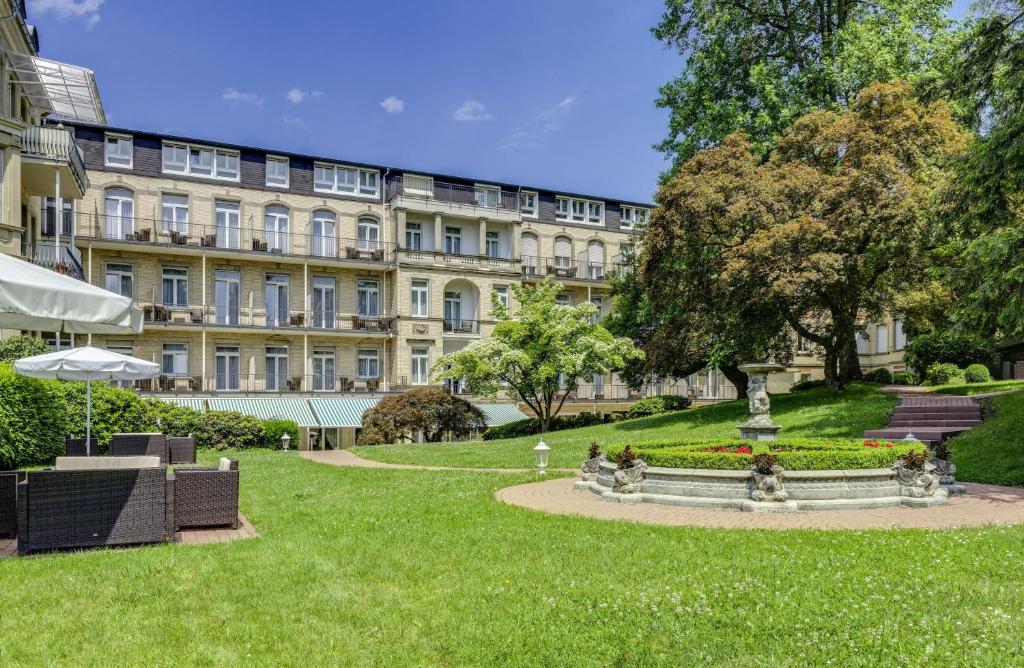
62	509
75	447
8	503
206	497
137	445
181	449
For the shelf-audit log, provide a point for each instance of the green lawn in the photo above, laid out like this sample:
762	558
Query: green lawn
970	389
993	452
368	567
808	414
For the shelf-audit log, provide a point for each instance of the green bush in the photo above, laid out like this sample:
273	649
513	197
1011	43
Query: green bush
656	405
957	349
229	430
33	420
806	384
881	375
531	426
977	373
793	454
904	378
944	373
16	347
273	430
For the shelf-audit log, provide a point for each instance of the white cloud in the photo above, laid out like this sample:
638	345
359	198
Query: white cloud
87	10
535	132
235	96
297	96
472	111
294	121
393	105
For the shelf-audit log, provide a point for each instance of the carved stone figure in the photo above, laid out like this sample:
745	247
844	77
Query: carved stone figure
945	470
769	486
419	328
758	402
592	466
917	483
628	481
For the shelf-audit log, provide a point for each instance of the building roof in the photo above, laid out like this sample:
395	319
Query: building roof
66	91
194	404
272	408
499	414
341	412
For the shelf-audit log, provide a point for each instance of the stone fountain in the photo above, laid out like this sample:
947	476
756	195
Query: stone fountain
759	427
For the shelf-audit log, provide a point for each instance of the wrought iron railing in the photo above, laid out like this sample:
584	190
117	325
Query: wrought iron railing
425	188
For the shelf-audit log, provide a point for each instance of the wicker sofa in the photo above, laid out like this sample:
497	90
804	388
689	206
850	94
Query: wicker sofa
95	501
206	497
8	503
181	449
75	447
139	445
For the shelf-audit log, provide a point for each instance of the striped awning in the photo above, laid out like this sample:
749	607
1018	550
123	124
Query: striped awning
194	404
269	409
341	412
498	414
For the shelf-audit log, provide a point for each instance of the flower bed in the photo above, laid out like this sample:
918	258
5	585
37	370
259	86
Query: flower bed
793	454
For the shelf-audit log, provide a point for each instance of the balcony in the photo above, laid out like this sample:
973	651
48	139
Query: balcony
424	194
257	384
459	260
257	241
63	259
44	152
566	269
460	326
311	322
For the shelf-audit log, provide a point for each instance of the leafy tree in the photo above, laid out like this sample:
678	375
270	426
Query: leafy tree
541	353
758	65
21	346
962	350
431	410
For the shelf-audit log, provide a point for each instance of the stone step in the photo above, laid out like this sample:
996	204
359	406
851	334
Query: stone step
915	422
944	410
948	415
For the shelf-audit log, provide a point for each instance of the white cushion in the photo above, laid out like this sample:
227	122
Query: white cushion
104	463
225	464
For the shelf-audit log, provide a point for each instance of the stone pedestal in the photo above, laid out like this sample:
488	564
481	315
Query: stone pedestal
759	427
759	432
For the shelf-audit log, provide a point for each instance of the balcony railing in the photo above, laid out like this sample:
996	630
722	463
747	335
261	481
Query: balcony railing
427	189
325	320
567	268
257	383
63	259
234	238
460	326
57	144
458	259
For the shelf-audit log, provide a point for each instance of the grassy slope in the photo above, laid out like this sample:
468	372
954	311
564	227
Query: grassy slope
384	567
811	413
993	451
971	389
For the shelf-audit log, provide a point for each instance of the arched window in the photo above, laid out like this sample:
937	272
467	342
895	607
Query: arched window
368	234
530	254
275	228
595	260
119	213
322	234
563	252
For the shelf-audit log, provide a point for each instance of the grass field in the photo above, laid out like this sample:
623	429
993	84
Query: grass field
993	452
811	413
970	389
394	568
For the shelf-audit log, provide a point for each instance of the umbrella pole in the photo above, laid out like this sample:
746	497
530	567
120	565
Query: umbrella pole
88	415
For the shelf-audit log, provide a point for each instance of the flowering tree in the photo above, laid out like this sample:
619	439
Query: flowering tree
541	353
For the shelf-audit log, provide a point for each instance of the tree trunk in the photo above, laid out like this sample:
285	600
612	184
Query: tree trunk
737	378
833	353
849	364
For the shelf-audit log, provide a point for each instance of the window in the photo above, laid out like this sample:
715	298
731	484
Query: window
641	216
277	368
579	209
123	349
563	300
420	366
174	288
595	260
595	212
119	279
599	303
227	367
50	212
228	225
529	255
368	365
414	236
528	203
881	338
119	210
118	151
419	299
803	345
323	234
225	295
174	214
502	292
453	240
277	172
368	297
217	163
275	228
345	180
275	299
453	310
174	359
563	252
899	336
323	302
493	244
632	215
367	234
561	208
486	196
323	370
862	343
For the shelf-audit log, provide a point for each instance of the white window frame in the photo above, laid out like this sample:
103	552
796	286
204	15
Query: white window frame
578	210
275	353
502	291
595	212
120	274
359	182
367	233
372	358
419	295
118	159
529	211
453	234
627	217
217	170
899	335
178	354
414	232
171	223
176	279
483	193
277	181
561	208
419	365
231	382
371	288
881	339
492	240
325	381
276	217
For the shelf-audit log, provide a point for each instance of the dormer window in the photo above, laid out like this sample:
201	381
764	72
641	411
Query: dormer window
528	203
118	151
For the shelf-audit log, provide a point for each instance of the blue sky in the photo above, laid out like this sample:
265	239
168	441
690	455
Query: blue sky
555	93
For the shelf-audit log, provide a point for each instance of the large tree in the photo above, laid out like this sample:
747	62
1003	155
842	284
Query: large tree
757	65
836	221
431	411
540	353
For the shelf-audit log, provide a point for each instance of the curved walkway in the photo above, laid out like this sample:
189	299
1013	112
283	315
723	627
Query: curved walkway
346	458
981	505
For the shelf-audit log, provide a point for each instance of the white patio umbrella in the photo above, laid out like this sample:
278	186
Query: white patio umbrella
87	364
35	298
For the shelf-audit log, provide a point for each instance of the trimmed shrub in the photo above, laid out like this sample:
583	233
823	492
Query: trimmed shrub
977	373
531	426
904	378
273	430
944	373
655	406
807	384
881	375
957	349
16	347
793	454
33	420
432	411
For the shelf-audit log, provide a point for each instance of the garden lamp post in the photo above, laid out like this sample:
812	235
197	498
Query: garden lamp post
285	440
540	455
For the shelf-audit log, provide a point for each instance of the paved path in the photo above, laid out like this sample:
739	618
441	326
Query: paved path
347	458
983	504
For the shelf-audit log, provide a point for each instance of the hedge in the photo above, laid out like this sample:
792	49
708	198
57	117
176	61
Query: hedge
531	426
656	405
977	373
33	420
794	453
945	373
880	375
